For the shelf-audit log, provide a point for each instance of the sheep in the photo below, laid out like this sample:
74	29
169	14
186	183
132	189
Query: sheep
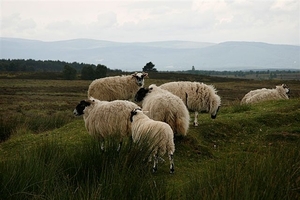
116	87
252	93
164	106
159	134
197	97
104	118
280	92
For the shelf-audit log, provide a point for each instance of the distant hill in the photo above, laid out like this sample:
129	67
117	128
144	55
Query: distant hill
166	55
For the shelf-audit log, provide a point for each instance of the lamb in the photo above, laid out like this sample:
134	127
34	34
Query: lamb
280	92
116	87
164	106
197	97
103	118
159	134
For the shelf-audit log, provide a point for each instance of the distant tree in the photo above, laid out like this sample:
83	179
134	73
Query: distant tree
69	73
193	68
87	73
149	67
100	71
13	67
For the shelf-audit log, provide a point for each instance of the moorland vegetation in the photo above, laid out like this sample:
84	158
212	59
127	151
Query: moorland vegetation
247	152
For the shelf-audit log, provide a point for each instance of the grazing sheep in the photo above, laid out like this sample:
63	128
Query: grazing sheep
116	87
196	96
158	133
103	118
164	106
280	92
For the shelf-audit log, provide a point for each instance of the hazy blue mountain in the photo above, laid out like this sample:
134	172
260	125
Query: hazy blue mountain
166	55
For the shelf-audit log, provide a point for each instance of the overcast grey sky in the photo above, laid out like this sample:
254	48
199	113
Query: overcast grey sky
271	21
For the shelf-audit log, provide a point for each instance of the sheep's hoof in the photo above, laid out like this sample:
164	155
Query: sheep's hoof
172	171
195	123
154	169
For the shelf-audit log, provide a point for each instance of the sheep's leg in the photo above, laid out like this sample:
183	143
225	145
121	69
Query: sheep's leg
196	119
102	145
171	163
155	162
101	140
119	147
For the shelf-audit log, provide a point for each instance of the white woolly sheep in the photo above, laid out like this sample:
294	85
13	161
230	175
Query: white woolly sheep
164	106
103	118
197	97
280	92
252	93
116	87
158	133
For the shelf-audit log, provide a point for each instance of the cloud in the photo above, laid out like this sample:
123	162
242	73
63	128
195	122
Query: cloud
106	19
14	22
285	5
141	20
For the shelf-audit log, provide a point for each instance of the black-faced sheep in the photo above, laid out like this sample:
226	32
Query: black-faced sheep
103	118
255	96
164	106
158	133
197	97
116	87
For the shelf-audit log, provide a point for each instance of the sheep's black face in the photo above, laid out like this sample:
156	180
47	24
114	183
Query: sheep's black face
287	90
80	108
140	95
214	115
139	77
132	113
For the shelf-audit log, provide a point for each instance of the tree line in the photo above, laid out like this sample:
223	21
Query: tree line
69	71
85	71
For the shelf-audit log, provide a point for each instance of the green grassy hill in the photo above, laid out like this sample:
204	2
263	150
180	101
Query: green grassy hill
247	152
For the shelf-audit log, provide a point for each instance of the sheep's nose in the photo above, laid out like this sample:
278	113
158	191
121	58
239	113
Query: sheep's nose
75	112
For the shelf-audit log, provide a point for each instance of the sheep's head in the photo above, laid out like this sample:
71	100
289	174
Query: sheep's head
285	87
134	112
214	114
215	106
79	110
140	95
139	78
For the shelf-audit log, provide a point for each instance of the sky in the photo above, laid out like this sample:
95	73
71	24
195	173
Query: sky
215	21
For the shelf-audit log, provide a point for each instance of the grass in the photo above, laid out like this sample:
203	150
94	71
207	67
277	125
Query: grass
44	172
247	152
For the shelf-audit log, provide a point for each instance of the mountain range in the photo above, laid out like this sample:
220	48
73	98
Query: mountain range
165	55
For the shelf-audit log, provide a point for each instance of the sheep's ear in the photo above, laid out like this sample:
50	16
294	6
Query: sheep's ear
134	75
284	86
133	112
145	74
85	103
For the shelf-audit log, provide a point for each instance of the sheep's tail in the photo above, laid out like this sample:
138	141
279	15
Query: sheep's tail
182	125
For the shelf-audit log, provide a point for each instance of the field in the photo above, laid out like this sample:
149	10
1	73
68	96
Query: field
247	152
